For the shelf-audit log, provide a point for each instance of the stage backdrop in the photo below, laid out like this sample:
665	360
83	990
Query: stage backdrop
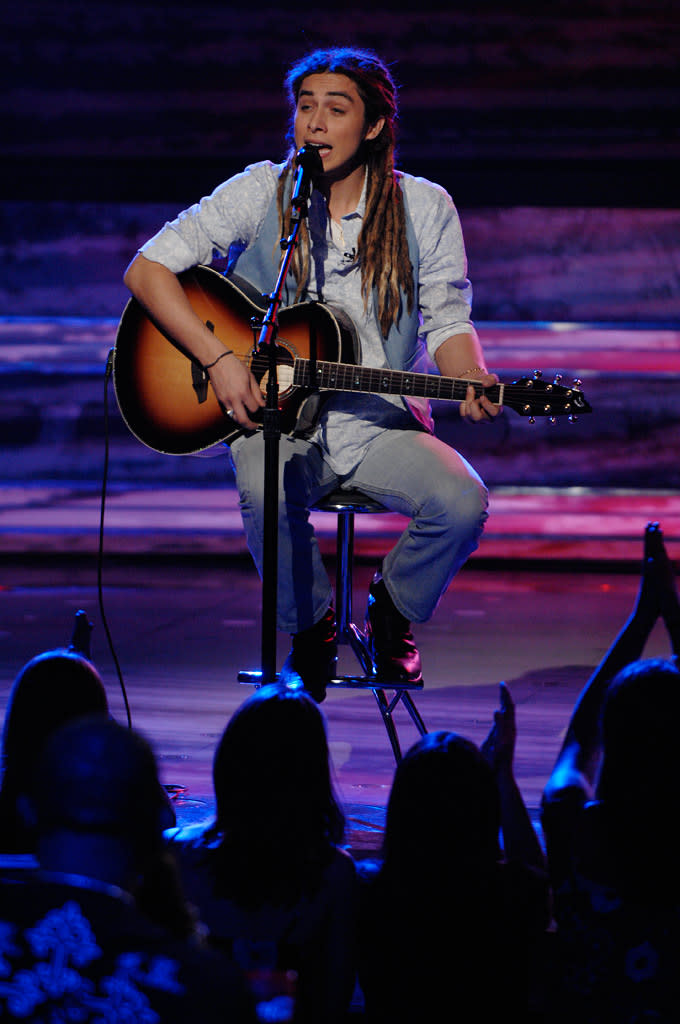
555	130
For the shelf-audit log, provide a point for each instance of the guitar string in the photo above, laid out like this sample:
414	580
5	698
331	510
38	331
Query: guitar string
528	388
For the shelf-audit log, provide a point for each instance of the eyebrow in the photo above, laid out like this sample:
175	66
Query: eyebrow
310	92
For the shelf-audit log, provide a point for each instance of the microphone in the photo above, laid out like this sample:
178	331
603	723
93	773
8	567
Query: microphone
308	163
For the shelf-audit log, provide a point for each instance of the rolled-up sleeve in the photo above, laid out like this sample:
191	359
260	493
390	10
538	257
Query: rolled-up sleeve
444	291
231	216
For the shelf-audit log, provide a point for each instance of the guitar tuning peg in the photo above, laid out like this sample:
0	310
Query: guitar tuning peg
557	378
538	374
552	419
532	419
577	382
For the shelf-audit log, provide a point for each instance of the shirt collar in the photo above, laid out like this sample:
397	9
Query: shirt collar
318	203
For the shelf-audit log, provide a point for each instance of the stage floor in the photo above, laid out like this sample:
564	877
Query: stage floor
183	628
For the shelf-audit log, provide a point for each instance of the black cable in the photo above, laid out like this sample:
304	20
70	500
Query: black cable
100	556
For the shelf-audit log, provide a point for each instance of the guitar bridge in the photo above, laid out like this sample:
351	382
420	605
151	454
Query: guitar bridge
199	376
199	381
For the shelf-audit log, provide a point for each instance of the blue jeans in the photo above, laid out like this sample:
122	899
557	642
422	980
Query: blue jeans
408	471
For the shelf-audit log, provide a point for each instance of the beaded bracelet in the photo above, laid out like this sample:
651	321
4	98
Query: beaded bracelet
227	352
473	369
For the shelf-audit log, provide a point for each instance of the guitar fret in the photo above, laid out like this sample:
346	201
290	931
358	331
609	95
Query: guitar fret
380	380
349	378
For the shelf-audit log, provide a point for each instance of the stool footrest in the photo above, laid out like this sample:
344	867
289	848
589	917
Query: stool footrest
254	677
370	683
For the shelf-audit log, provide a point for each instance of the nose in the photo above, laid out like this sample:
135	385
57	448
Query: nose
317	121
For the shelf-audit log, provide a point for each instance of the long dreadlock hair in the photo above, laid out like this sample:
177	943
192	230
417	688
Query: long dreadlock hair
382	244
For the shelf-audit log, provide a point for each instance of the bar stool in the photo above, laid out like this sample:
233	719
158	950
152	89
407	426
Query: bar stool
346	504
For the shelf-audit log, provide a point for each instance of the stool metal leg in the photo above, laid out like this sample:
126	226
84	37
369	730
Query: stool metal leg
350	634
343	571
407	700
386	709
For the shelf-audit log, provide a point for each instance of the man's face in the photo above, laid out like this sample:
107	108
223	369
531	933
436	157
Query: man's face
330	115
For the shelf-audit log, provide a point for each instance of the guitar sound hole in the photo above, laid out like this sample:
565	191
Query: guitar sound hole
284	368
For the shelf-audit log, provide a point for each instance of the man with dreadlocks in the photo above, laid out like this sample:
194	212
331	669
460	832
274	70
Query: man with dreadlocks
387	249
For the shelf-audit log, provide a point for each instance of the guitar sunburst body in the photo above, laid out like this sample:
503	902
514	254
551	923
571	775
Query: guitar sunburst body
164	395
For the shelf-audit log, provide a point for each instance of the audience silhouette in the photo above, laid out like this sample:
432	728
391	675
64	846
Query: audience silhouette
447	908
73	943
52	688
608	815
450	921
268	877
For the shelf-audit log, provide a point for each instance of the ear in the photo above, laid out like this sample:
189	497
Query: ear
375	130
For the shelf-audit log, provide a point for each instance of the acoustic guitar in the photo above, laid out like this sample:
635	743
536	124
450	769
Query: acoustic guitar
166	400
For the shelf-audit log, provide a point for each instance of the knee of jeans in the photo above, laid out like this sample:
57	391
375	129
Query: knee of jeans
463	509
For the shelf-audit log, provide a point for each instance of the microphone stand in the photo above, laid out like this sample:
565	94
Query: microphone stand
308	162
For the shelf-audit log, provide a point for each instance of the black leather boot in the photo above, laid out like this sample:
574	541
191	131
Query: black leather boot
390	639
313	656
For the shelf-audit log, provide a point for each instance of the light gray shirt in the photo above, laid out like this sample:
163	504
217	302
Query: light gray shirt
230	218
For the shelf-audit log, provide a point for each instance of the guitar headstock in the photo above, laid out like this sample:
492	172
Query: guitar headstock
532	396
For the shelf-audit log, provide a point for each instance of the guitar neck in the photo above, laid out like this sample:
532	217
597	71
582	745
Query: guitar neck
372	380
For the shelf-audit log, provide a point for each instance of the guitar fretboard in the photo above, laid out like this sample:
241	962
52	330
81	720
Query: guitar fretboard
372	380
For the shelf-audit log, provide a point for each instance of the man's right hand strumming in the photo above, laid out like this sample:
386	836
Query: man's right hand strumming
236	390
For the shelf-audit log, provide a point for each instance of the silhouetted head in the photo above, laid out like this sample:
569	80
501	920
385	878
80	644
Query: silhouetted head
51	689
640	719
443	809
277	813
96	777
272	762
637	785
